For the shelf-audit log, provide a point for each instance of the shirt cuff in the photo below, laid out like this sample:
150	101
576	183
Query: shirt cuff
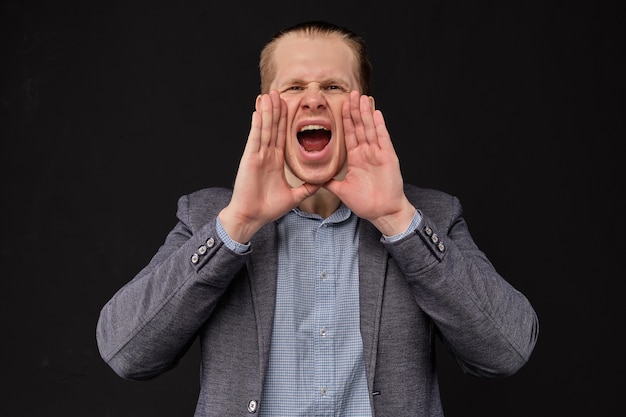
228	242
415	222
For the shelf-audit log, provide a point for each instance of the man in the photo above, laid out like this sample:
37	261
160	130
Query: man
318	285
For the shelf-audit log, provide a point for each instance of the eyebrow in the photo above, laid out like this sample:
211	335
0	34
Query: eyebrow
329	81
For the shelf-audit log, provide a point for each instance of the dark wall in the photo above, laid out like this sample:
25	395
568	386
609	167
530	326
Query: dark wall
111	110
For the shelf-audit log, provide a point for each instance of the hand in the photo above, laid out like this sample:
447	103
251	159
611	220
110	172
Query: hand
373	187
261	193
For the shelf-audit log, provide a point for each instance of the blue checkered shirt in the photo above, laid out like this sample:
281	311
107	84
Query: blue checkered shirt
316	364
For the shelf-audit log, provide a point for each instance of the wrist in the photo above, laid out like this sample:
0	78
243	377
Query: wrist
240	229
396	222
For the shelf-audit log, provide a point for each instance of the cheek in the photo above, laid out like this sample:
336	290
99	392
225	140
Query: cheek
292	107
337	111
339	131
292	101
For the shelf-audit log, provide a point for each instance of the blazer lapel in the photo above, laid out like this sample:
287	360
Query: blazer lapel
262	275
372	273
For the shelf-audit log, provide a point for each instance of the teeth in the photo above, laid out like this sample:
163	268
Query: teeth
312	127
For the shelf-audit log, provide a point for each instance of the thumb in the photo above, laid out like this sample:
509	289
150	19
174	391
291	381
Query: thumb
304	191
333	185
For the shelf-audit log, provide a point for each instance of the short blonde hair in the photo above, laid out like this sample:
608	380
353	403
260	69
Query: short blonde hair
267	66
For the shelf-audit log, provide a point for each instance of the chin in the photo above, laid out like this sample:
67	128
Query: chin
317	180
320	178
315	176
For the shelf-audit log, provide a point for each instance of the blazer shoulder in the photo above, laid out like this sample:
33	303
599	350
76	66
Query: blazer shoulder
211	196
434	203
203	204
428	196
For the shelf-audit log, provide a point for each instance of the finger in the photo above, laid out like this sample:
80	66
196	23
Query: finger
282	125
384	138
348	126
355	113
266	120
276	107
254	137
369	129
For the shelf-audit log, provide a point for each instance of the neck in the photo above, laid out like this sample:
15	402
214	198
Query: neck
323	203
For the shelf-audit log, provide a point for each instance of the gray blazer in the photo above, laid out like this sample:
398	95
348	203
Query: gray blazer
433	283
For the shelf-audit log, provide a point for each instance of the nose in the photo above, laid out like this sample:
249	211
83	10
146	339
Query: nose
313	97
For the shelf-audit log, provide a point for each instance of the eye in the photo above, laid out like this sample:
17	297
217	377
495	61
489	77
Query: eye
293	89
335	88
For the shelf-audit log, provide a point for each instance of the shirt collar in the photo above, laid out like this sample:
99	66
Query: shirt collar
342	213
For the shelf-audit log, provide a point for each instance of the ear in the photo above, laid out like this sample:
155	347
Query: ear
257	102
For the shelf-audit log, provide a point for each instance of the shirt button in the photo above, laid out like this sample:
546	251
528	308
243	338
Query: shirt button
252	405
202	250
323	331
194	258
210	242
324	275
324	391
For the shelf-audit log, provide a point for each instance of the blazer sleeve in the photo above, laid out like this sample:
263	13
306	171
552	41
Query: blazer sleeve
147	326
488	325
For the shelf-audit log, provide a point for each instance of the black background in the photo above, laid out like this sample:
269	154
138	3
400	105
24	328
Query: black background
110	110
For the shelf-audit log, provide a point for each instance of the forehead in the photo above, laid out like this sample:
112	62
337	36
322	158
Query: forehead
307	58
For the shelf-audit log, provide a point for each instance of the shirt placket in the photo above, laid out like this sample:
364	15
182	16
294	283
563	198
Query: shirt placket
324	312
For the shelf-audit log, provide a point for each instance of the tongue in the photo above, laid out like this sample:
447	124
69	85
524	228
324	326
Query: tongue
314	141
314	144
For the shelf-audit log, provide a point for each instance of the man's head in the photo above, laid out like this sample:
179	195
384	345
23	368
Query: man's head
314	66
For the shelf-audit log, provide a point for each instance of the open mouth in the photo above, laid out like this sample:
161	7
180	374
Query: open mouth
314	138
